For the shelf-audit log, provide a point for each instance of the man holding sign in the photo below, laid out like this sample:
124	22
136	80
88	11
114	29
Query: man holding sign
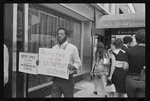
60	85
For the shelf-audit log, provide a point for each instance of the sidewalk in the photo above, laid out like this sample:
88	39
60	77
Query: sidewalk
85	89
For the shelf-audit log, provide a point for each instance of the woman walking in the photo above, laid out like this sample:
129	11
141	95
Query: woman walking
99	69
117	74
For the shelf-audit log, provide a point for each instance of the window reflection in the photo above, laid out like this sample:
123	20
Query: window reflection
42	27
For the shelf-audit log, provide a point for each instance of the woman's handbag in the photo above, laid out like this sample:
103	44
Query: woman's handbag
110	87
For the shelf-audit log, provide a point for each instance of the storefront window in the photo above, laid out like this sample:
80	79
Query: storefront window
42	33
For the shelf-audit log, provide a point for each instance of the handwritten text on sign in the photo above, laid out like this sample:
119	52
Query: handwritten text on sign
27	62
53	62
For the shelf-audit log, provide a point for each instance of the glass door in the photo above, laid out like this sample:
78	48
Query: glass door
8	40
15	39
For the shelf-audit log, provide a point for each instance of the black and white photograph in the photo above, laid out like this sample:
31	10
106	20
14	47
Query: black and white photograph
74	50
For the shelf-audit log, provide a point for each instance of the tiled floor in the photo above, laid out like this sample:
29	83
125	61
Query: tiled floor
85	89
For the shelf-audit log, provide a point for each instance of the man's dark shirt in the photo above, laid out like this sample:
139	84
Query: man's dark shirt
135	56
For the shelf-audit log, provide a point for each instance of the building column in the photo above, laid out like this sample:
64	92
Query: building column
106	5
86	63
25	41
113	8
14	49
82	43
117	9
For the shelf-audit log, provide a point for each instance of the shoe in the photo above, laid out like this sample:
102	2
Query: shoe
106	96
95	92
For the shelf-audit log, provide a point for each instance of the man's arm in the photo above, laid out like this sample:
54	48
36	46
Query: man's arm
125	65
126	61
76	58
93	63
112	66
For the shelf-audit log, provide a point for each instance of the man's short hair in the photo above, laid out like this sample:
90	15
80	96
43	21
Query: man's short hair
127	39
66	32
140	36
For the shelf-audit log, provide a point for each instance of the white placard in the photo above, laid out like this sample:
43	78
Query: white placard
53	62
27	62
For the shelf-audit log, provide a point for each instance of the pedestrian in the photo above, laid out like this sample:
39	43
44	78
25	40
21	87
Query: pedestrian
109	52
62	86
127	40
117	73
6	64
99	69
134	63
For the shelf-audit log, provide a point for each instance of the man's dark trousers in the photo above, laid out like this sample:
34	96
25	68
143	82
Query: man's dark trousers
134	86
62	86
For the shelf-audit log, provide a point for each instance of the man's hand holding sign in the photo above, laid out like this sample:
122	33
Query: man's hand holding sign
71	68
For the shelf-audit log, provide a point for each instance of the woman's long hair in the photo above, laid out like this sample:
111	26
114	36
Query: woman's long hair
106	53
99	51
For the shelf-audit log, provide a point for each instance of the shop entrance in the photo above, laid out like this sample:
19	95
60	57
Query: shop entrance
104	38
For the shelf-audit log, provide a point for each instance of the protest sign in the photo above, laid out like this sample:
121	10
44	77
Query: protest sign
53	62
27	62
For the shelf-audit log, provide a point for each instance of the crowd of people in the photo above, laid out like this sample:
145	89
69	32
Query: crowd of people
125	66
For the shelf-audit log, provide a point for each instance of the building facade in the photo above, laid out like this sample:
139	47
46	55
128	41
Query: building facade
27	27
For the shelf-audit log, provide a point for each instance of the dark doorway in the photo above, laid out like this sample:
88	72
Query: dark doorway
107	38
101	39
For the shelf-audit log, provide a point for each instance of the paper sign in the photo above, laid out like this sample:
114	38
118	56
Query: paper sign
53	62
27	62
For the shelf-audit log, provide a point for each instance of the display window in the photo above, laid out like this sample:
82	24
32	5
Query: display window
42	26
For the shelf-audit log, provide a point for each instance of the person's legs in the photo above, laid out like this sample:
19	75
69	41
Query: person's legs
111	94
140	92
55	91
104	80
67	90
118	94
124	95
130	86
135	87
121	95
95	83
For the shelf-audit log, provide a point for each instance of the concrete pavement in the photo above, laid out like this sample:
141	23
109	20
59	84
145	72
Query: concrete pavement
85	88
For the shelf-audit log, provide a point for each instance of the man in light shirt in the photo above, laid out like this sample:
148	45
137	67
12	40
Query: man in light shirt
6	63
62	86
